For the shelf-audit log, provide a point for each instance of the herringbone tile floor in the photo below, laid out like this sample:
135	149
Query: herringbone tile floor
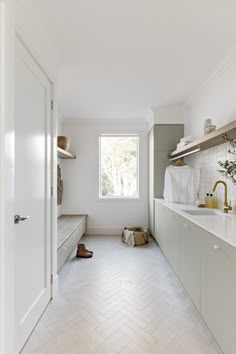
123	300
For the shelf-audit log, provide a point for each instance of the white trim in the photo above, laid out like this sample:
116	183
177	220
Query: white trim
228	61
2	106
54	210
119	199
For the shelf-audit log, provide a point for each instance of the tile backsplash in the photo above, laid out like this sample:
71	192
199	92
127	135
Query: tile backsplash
206	162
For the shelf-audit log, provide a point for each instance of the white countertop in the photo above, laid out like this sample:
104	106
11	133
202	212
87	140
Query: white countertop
221	225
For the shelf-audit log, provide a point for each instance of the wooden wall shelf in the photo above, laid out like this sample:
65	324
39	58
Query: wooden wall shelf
63	154
219	136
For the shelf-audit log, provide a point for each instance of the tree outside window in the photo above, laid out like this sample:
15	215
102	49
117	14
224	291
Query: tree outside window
118	166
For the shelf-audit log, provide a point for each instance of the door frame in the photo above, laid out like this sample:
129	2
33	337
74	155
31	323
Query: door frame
7	232
7	237
38	72
53	171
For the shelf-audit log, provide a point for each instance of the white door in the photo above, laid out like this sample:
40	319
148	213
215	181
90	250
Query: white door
32	193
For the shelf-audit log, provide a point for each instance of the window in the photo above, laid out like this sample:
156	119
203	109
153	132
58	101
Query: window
118	166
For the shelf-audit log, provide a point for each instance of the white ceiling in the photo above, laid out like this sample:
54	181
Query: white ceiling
121	57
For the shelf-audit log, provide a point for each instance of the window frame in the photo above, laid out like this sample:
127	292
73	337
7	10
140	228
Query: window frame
120	198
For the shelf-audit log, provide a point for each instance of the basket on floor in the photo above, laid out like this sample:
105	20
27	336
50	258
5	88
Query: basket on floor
135	236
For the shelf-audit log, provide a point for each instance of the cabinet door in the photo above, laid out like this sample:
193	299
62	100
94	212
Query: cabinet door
218	307
166	136
173	240
151	180
160	225
167	234
190	260
160	164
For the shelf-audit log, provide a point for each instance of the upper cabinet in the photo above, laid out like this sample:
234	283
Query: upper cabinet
162	140
166	136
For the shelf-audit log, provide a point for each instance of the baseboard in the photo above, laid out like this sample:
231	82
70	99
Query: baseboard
103	231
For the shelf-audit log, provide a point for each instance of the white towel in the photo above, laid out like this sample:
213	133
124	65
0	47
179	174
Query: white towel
185	139
180	145
181	184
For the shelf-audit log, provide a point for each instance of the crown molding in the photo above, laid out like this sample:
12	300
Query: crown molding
228	61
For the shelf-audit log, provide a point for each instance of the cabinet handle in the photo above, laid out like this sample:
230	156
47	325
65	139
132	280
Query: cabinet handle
217	247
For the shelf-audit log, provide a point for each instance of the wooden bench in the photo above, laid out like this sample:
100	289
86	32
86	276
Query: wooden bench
70	229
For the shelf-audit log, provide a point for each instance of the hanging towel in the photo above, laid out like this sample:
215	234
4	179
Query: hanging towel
181	184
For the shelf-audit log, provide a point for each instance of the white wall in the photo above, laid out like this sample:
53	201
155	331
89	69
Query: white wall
215	100
7	236
81	177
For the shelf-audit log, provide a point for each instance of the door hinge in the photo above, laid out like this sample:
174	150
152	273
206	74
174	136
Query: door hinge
51	191
52	105
51	279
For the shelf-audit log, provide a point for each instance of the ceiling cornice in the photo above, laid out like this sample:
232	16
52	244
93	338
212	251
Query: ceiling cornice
228	61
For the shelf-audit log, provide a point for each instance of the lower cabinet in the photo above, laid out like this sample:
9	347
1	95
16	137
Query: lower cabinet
167	234
218	295
190	260
173	240
206	266
160	226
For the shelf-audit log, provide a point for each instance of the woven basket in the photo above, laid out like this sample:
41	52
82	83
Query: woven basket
63	142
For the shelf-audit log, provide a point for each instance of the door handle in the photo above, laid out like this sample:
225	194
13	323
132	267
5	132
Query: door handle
18	218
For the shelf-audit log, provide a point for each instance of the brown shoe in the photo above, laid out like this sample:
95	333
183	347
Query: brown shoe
82	244
82	253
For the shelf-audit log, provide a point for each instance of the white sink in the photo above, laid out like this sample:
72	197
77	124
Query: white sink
199	212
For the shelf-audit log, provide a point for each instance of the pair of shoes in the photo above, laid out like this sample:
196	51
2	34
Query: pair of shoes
82	252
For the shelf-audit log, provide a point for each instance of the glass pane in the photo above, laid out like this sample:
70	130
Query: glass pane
119	166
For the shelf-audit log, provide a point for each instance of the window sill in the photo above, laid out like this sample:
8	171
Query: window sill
132	200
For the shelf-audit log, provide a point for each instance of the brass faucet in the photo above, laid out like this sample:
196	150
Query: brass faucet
227	206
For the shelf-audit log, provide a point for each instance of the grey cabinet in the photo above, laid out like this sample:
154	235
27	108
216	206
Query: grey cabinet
190	260
206	266
218	295
160	234
173	241
167	234
162	140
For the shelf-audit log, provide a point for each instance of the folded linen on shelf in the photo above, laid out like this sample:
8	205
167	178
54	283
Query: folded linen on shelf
180	145
187	139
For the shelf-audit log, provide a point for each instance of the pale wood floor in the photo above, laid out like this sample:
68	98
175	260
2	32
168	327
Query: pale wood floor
123	300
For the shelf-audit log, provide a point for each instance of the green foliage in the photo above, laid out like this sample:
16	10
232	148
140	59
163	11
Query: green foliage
228	167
